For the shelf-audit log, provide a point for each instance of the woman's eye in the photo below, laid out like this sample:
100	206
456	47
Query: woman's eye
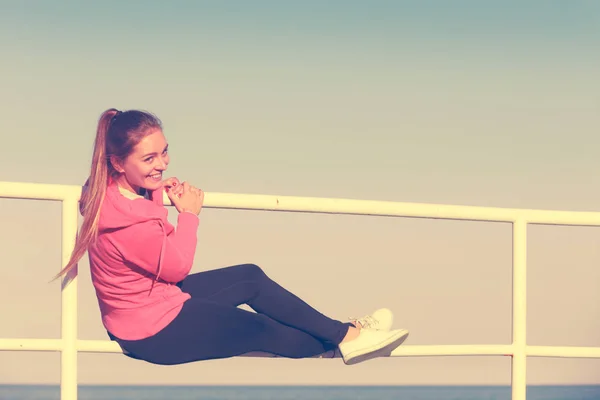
149	159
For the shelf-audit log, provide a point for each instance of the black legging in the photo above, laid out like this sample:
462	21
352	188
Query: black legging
211	326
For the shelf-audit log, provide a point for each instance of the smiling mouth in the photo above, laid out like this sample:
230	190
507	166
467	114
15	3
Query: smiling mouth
156	177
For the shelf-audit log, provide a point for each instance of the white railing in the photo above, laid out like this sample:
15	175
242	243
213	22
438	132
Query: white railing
69	345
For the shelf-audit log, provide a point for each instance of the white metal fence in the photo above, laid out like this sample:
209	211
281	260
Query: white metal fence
69	345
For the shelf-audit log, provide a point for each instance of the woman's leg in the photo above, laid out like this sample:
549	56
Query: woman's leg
248	284
206	330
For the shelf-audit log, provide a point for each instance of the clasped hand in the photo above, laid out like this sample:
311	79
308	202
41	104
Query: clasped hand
185	197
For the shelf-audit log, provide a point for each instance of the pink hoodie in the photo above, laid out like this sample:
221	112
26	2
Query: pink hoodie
138	258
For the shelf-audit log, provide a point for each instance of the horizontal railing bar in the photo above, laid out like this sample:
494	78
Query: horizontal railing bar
357	207
39	191
397	209
107	346
453	350
112	347
31	344
334	206
563	351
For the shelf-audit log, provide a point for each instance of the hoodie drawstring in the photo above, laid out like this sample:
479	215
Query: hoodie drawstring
162	253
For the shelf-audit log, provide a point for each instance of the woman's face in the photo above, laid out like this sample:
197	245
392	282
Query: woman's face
144	167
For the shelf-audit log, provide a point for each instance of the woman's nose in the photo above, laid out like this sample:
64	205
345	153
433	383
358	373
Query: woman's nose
162	164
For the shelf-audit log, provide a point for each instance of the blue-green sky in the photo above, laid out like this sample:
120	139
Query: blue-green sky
454	102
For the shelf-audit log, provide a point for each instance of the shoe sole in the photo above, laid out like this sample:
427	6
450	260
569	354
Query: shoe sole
382	349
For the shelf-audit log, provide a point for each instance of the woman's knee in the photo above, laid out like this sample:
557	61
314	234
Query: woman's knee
252	271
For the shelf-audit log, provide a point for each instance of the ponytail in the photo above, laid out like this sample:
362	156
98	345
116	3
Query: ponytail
92	196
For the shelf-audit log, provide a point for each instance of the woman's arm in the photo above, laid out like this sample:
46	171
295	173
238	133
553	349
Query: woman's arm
141	245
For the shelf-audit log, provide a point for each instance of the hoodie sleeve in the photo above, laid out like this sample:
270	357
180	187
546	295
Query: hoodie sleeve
141	245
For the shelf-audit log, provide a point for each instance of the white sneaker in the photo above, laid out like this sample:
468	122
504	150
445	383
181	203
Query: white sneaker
381	320
370	344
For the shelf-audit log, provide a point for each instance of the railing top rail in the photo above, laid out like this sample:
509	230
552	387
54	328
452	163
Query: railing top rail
333	206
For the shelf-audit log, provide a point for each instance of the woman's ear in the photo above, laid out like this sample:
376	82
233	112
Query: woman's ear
117	164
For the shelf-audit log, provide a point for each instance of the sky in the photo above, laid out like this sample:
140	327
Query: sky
459	102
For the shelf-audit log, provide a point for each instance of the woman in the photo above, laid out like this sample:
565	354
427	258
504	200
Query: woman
140	263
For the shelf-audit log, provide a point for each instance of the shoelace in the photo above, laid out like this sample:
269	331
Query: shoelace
367	321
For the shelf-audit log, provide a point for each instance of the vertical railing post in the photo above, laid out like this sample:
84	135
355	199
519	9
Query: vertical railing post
519	301
68	373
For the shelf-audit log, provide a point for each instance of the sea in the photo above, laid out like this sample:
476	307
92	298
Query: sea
106	392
